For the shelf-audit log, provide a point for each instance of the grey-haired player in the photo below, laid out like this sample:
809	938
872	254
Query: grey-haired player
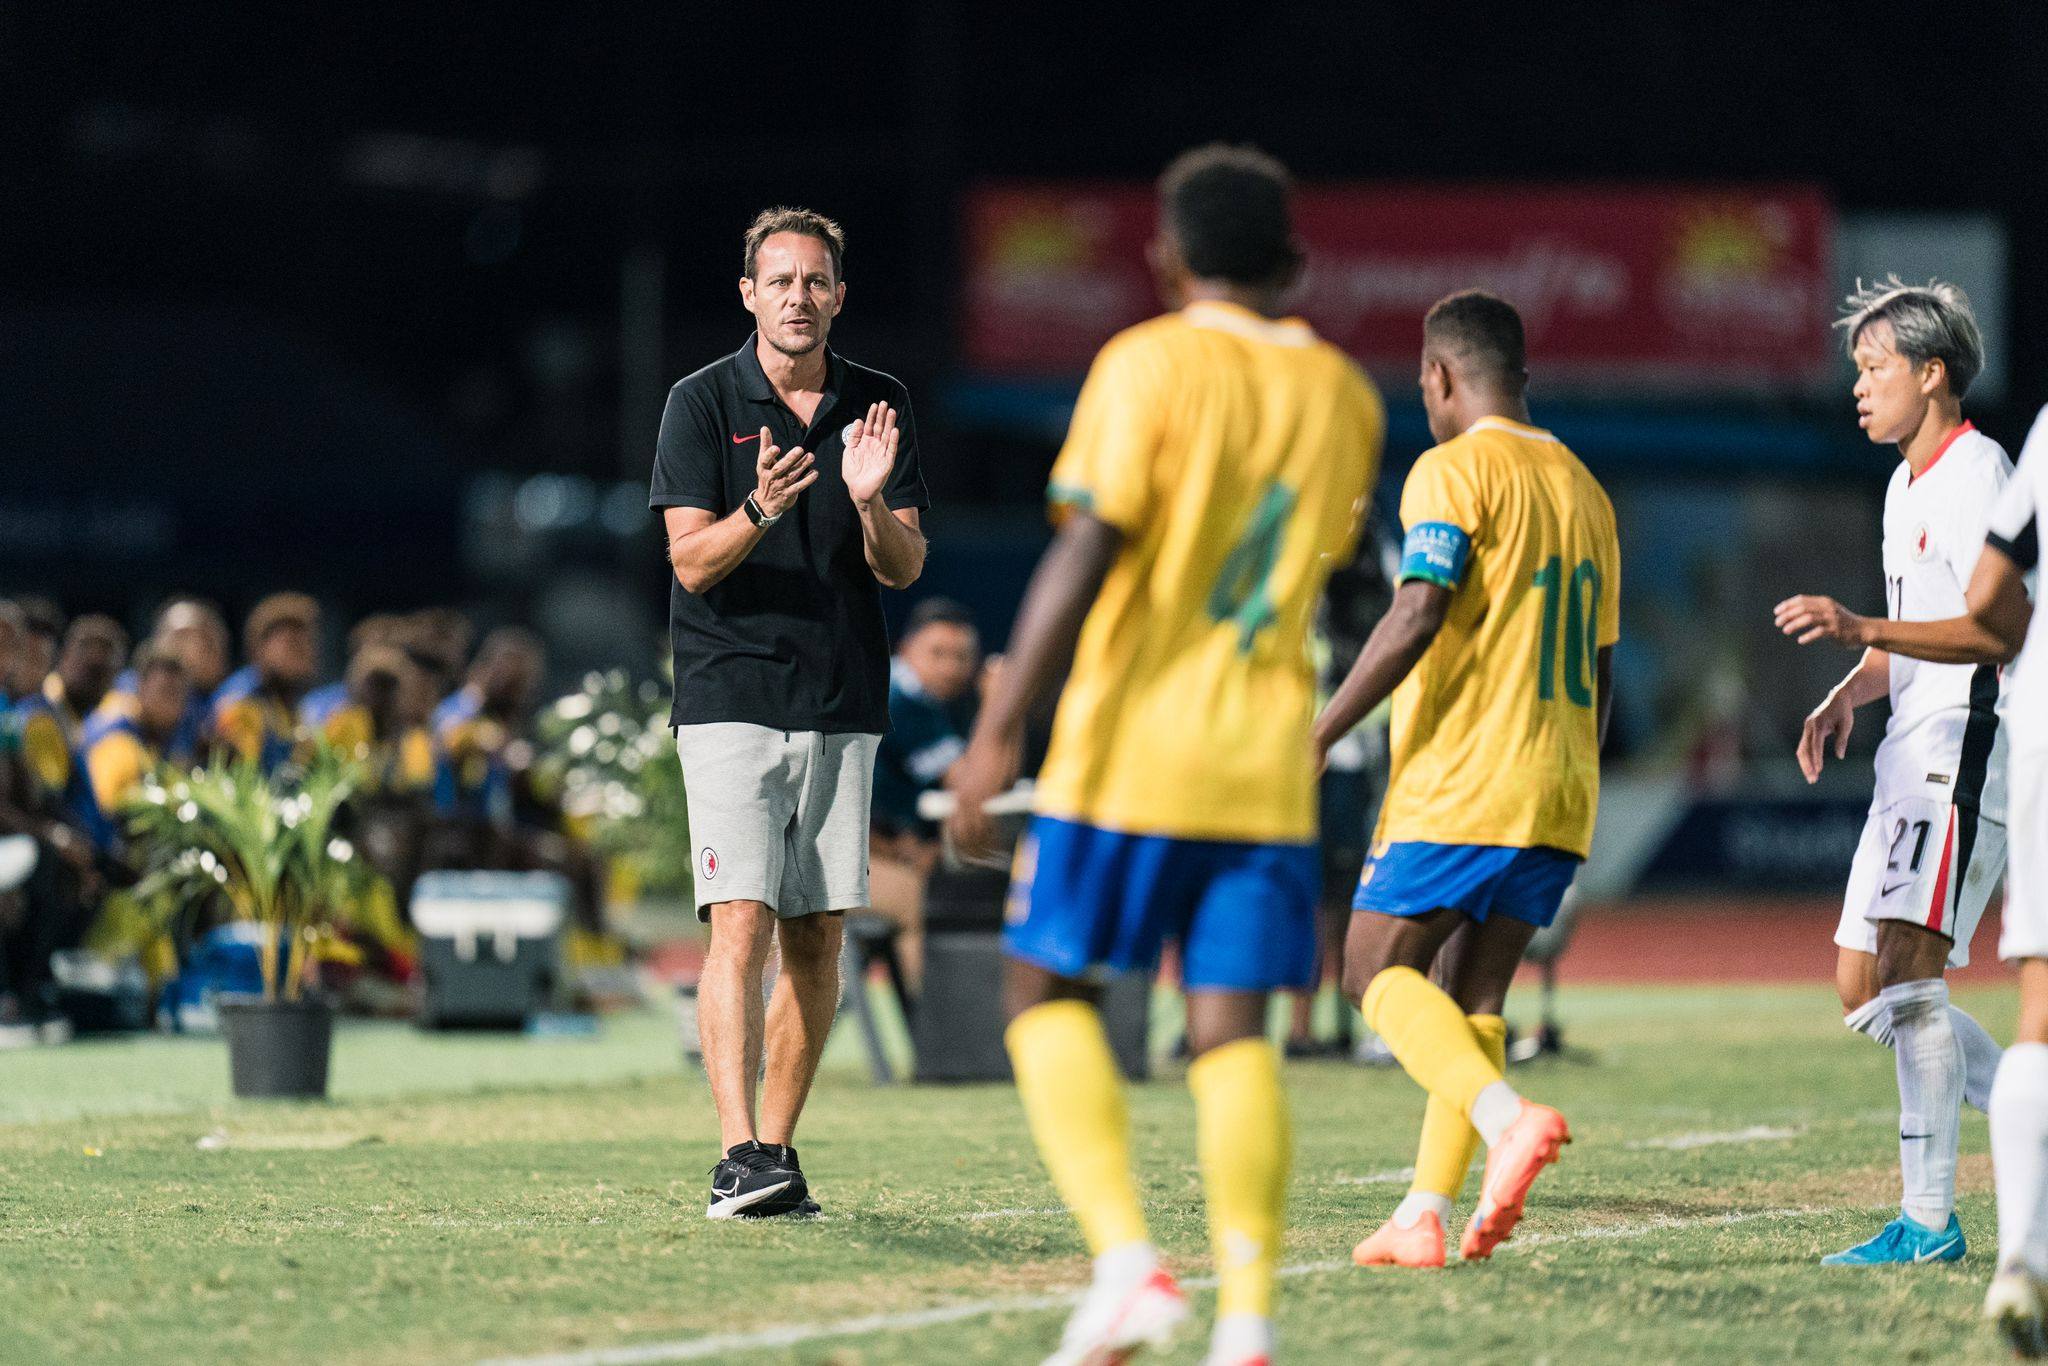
1934	844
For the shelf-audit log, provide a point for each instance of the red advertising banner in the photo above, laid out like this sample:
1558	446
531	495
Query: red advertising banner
1678	288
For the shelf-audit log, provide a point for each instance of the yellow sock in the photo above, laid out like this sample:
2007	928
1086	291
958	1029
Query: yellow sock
1448	1142
1072	1095
1244	1146
1424	1029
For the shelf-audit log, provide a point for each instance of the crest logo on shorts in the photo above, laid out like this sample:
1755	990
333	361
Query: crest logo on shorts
1922	545
709	862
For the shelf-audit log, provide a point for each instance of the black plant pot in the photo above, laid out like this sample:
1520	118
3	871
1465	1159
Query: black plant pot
278	1049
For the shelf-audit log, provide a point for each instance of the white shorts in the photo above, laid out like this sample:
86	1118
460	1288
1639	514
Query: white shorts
1925	862
778	816
2026	869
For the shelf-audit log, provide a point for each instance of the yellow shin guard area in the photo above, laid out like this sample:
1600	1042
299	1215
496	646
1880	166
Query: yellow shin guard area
1444	1154
1244	1145
1067	1079
1430	1036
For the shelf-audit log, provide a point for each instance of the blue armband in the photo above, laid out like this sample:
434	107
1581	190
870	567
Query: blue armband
1435	552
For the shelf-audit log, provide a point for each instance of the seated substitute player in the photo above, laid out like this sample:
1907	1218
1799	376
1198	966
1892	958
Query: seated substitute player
121	747
255	716
1497	651
1993	631
1934	843
1214	474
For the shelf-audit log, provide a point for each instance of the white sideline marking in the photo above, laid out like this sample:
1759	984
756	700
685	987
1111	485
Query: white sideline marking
1664	1224
790	1335
1012	1213
1378	1178
1678	1143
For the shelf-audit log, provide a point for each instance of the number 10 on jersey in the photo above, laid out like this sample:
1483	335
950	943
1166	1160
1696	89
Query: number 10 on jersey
1581	611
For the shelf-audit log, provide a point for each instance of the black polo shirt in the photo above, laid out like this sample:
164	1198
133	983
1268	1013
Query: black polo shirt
793	638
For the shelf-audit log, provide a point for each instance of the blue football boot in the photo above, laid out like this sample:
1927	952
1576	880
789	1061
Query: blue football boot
1904	1241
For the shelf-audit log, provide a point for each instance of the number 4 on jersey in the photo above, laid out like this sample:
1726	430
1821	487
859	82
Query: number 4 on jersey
1243	592
1581	630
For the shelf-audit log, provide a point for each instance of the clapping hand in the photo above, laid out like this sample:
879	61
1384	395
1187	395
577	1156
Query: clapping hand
871	453
780	478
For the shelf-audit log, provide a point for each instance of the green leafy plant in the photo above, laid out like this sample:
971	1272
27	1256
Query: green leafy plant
267	847
608	749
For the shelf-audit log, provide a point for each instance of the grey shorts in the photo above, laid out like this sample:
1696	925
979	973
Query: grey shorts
778	816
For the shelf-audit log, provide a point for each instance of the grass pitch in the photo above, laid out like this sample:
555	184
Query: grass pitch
467	1198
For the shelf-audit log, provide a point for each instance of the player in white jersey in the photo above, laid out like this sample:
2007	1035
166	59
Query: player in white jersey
1993	631
1934	843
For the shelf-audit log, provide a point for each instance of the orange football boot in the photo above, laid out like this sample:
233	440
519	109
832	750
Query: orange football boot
1421	1244
1531	1143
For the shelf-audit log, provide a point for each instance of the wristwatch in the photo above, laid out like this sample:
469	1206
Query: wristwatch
758	517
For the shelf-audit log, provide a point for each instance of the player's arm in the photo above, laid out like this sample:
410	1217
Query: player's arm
1391	652
1397	642
1063	588
1835	717
1990	631
1441	508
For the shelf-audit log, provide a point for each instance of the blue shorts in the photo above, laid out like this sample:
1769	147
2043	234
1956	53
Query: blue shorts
1478	881
1244	914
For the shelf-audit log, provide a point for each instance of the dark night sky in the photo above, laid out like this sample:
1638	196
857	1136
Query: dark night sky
200	163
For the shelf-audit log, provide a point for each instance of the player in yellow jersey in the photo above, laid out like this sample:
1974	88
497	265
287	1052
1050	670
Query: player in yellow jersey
1497	652
1214	473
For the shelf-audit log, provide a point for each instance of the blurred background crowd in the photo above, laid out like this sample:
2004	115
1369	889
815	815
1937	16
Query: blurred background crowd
438	728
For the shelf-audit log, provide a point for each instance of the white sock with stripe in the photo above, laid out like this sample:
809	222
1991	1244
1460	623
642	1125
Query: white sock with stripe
1980	1051
2019	1153
1930	1069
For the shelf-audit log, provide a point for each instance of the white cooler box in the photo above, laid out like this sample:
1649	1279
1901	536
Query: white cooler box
490	946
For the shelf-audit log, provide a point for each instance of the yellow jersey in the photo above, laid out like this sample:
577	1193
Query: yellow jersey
1234	452
1496	734
117	761
403	763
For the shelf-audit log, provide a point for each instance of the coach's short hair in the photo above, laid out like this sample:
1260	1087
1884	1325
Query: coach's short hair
1483	331
771	221
1228	209
1929	322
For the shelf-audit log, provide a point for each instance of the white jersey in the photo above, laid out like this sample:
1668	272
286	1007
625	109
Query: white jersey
1944	740
2015	529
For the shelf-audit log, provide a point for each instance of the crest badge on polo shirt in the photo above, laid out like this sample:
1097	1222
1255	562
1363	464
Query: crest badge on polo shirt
1923	544
846	433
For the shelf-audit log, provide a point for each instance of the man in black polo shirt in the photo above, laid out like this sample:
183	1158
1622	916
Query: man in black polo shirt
788	480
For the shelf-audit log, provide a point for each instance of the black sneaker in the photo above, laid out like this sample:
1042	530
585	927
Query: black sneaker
805	1207
752	1180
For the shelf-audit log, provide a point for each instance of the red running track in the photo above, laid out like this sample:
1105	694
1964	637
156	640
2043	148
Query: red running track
1698	939
1730	939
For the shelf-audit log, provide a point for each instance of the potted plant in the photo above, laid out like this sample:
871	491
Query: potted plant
609	752
267	849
